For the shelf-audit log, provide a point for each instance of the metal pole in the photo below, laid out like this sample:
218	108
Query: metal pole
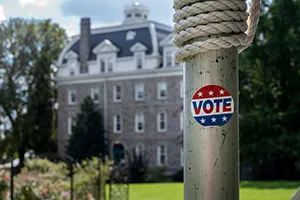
211	152
72	180
12	180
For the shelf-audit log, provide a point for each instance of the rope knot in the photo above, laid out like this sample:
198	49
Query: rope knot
204	25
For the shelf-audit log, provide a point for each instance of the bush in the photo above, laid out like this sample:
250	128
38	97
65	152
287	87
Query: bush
178	176
4	181
157	175
138	167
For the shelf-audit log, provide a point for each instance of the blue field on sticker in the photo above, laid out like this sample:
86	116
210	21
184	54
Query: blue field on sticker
214	120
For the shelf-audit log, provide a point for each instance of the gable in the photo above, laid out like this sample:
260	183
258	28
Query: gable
105	47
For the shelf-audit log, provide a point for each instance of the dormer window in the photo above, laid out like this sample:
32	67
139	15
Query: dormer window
139	61
139	51
169	58
130	35
106	56
102	65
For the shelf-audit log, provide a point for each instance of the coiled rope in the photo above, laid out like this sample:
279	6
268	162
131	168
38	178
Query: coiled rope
204	25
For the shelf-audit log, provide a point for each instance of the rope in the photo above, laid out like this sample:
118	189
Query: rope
204	25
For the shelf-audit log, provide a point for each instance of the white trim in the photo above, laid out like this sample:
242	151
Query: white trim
181	157
64	51
71	55
105	46
115	124
137	115
70	91
181	89
93	91
120	76
70	124
167	41
154	41
137	47
136	87
181	120
115	94
159	84
158	121
159	155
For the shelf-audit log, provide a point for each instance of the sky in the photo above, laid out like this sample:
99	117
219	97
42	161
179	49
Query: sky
68	12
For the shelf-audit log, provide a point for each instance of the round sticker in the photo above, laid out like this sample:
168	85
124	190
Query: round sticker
212	105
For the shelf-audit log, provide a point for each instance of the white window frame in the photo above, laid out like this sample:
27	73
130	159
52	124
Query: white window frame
181	89
181	120
71	123
109	61
159	122
181	157
169	54
115	123
137	87
139	117
139	149
159	86
142	56
115	93
93	92
70	92
159	155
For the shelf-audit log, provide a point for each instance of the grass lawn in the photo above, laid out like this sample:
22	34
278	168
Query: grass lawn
249	191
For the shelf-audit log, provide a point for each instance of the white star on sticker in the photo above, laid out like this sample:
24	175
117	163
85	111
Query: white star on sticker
211	93
224	119
213	119
222	92
202	121
200	94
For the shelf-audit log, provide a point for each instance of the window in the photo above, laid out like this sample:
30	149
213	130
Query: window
139	122
181	89
72	96
139	150
169	58
72	72
95	95
161	155
139	91
71	125
110	64
181	157
117	93
117	124
139	61
162	122
138	15
102	65
181	120
162	90
129	15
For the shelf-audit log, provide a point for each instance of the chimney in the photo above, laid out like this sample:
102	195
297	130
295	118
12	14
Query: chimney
84	46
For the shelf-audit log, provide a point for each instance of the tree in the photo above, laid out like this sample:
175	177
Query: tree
41	114
87	139
270	102
22	46
138	166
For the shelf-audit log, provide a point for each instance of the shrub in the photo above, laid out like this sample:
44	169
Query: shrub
178	176
138	167
156	175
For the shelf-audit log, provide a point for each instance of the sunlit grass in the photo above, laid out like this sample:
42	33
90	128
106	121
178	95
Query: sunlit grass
249	191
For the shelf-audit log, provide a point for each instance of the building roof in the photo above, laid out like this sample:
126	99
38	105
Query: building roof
148	33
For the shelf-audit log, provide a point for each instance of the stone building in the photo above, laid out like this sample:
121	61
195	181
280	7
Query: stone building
129	71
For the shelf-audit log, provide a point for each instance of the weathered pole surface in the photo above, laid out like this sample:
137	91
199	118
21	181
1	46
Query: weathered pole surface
211	152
